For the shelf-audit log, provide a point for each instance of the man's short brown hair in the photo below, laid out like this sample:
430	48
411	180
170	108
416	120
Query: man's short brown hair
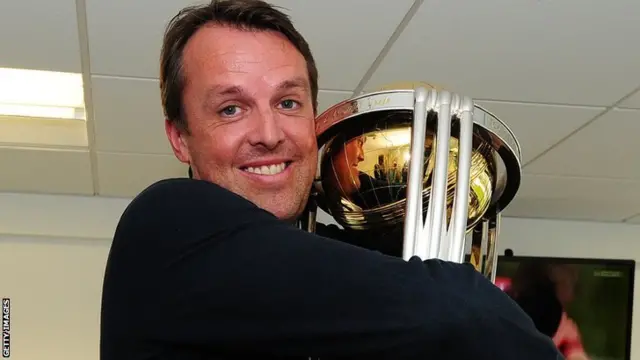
242	14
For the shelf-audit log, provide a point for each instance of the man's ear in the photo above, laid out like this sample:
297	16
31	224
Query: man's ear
178	142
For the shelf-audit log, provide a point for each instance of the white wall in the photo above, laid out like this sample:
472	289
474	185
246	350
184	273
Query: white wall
53	251
54	285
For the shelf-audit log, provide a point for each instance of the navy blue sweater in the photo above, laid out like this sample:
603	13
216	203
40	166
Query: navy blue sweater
197	272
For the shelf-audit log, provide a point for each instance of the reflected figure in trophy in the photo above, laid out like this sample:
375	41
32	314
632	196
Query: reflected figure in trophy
379	168
360	184
344	167
395	175
405	172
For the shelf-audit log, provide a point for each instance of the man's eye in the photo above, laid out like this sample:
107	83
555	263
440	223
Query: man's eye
289	104
230	110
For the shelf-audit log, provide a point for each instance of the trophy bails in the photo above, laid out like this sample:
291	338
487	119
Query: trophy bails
427	161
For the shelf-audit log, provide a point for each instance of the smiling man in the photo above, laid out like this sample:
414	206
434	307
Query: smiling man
249	102
213	267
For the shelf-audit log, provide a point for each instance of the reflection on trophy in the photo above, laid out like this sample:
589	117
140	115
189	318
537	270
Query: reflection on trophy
426	160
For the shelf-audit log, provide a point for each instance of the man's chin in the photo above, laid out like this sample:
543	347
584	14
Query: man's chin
281	206
286	215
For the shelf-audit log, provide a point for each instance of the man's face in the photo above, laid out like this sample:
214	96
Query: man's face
247	101
345	165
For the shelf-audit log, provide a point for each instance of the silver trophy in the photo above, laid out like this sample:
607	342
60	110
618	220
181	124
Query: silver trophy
427	160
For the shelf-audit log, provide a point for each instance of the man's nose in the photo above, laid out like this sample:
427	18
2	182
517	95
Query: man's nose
266	130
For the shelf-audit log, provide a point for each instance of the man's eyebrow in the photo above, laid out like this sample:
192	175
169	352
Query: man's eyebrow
298	82
219	90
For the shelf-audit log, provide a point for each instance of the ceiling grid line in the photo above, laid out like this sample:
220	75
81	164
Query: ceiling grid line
630	107
85	63
628	218
524	102
46	147
583	126
125	77
387	46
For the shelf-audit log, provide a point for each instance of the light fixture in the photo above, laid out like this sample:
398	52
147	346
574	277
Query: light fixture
41	94
396	137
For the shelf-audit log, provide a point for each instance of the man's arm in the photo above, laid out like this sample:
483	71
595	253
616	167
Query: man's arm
201	266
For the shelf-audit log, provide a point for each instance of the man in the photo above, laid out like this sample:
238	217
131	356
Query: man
379	169
344	166
347	175
213	267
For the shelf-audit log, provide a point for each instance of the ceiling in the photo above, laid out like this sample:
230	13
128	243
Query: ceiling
559	73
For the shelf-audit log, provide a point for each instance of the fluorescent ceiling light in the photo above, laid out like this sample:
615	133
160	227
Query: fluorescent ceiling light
43	94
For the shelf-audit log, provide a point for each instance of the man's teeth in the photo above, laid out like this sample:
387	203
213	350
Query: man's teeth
267	170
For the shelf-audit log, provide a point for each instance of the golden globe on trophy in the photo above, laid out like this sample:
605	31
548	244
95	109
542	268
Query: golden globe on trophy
421	158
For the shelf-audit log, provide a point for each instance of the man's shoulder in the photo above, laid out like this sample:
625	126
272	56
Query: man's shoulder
185	196
181	206
183	189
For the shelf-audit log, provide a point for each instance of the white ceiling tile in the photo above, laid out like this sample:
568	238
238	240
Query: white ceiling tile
36	34
328	98
343	48
534	51
583	209
633	102
126	175
606	148
128	116
45	171
565	188
538	126
125	37
343	45
572	198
